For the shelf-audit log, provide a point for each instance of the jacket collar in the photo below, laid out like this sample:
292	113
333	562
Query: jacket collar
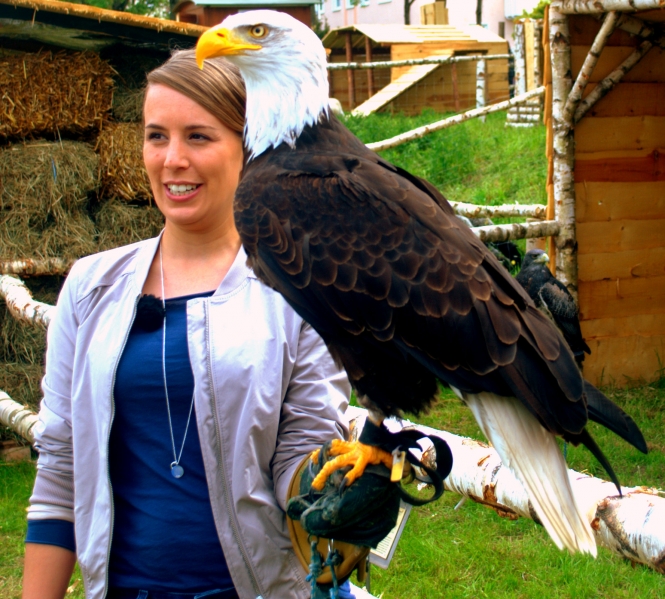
235	277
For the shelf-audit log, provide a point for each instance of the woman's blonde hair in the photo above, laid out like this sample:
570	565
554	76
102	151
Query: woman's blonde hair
218	87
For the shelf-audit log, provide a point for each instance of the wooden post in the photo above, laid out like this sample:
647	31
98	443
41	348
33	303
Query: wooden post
481	86
564	150
529	41
349	72
370	72
453	71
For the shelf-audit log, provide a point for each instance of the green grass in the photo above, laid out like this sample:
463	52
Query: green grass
481	163
471	552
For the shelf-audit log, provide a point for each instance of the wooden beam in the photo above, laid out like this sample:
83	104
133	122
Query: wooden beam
607	85
606	29
453	70
370	72
349	74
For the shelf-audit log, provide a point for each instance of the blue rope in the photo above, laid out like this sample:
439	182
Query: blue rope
316	566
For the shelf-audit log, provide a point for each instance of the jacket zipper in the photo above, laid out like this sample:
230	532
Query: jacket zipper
226	490
108	443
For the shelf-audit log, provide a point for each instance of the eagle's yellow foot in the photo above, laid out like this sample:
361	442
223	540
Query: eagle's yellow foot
350	454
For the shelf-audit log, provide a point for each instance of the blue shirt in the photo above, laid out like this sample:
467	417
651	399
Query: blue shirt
164	536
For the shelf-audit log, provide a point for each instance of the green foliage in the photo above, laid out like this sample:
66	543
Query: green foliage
152	8
538	12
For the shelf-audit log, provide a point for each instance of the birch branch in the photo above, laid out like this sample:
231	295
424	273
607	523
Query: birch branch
628	526
608	84
639	28
590	7
478	211
21	305
17	417
481	95
453	120
38	266
497	233
606	30
385	64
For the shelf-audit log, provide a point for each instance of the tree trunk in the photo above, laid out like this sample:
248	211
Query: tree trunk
479	12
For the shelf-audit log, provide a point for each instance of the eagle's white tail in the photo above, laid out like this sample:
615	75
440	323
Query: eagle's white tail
534	457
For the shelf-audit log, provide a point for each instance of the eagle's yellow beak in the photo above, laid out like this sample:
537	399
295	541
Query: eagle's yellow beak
220	41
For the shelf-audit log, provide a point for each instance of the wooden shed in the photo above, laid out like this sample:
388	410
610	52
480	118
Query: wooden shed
213	12
606	184
410	89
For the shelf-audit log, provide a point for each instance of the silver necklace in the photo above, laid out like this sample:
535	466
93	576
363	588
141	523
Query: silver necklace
176	469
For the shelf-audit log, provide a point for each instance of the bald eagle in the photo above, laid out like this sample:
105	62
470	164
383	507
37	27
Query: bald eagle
402	292
553	299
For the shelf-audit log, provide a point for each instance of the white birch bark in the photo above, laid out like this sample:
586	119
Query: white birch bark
607	85
17	417
21	305
37	266
453	120
590	7
518	51
564	150
519	117
577	91
481	95
496	233
478	211
384	64
630	526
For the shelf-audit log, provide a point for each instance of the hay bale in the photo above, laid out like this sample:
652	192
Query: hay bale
120	223
44	191
122	173
128	104
53	93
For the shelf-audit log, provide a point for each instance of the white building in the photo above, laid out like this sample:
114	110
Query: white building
497	15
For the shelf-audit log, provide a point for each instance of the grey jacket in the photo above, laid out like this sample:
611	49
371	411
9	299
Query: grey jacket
266	393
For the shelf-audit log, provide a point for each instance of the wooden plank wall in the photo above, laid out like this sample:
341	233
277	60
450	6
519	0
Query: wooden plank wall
434	91
620	200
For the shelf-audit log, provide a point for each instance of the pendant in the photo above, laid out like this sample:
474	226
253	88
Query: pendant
177	470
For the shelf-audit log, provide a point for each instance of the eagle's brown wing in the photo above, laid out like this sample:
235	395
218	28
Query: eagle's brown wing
400	290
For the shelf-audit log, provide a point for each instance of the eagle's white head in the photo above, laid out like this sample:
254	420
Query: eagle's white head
283	64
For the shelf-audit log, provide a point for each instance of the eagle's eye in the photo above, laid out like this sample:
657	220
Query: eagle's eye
258	31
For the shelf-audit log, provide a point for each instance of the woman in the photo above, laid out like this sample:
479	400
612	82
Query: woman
168	444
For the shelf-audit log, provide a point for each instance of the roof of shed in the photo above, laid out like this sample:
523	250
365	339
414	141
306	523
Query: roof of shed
255	4
82	27
408	34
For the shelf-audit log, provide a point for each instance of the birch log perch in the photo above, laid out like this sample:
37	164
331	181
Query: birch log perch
590	7
563	144
21	305
17	417
629	526
497	233
576	93
38	266
481	95
506	210
453	120
385	64
607	85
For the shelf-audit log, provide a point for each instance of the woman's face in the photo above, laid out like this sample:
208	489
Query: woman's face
193	161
